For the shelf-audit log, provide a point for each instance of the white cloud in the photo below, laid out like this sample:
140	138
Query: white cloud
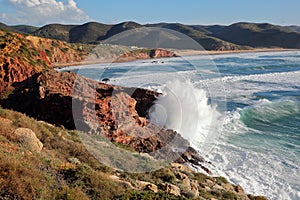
40	12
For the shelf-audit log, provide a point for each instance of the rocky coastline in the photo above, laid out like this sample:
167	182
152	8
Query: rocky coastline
64	99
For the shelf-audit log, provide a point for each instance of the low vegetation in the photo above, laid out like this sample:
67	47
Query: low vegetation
64	169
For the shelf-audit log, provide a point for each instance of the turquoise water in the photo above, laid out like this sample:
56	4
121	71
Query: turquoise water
258	98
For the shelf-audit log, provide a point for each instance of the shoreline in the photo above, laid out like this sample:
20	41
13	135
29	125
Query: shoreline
179	53
198	52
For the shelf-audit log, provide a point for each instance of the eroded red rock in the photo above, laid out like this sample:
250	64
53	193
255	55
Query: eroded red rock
63	98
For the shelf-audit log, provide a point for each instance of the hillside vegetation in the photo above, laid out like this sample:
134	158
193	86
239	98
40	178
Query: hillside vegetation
63	169
260	35
238	36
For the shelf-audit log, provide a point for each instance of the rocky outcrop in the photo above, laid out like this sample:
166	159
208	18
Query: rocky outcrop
186	183
59	52
147	186
194	185
161	53
115	112
23	56
171	189
13	66
143	54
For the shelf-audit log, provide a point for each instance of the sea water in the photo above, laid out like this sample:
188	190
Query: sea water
242	111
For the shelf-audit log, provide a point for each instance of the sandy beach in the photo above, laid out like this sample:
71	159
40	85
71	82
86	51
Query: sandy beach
199	52
183	52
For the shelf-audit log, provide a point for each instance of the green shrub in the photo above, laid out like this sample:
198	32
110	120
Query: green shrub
221	180
67	193
165	175
149	195
229	196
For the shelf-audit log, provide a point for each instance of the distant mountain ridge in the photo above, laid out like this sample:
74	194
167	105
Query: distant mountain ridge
260	35
237	36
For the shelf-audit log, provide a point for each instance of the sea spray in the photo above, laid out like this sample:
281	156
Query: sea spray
186	110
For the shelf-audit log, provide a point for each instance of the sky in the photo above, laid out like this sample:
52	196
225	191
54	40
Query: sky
223	12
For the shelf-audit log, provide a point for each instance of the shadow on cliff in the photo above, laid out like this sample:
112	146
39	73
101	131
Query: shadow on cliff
56	108
53	108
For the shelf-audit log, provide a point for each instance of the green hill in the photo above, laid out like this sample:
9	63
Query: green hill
25	28
118	28
19	28
209	29
260	35
5	27
88	33
201	35
55	31
94	32
212	37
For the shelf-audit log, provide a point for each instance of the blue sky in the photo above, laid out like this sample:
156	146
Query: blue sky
40	12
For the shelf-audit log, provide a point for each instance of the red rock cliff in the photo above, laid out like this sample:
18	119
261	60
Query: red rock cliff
114	112
22	56
143	54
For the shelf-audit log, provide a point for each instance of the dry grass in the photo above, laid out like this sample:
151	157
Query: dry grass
64	169
49	174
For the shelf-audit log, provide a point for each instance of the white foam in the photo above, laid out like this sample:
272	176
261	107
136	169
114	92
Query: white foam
260	172
257	173
243	87
186	110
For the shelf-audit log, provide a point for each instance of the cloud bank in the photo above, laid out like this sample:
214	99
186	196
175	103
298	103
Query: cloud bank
40	12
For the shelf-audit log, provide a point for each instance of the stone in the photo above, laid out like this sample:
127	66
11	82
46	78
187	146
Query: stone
27	138
147	186
124	183
194	192
151	187
210	183
181	167
153	53
239	189
171	189
217	187
228	187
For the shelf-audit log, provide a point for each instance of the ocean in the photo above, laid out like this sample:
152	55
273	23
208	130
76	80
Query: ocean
241	111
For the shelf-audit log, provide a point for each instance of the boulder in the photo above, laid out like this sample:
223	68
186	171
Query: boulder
151	187
239	189
171	189
147	186
27	138
194	192
181	168
122	182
